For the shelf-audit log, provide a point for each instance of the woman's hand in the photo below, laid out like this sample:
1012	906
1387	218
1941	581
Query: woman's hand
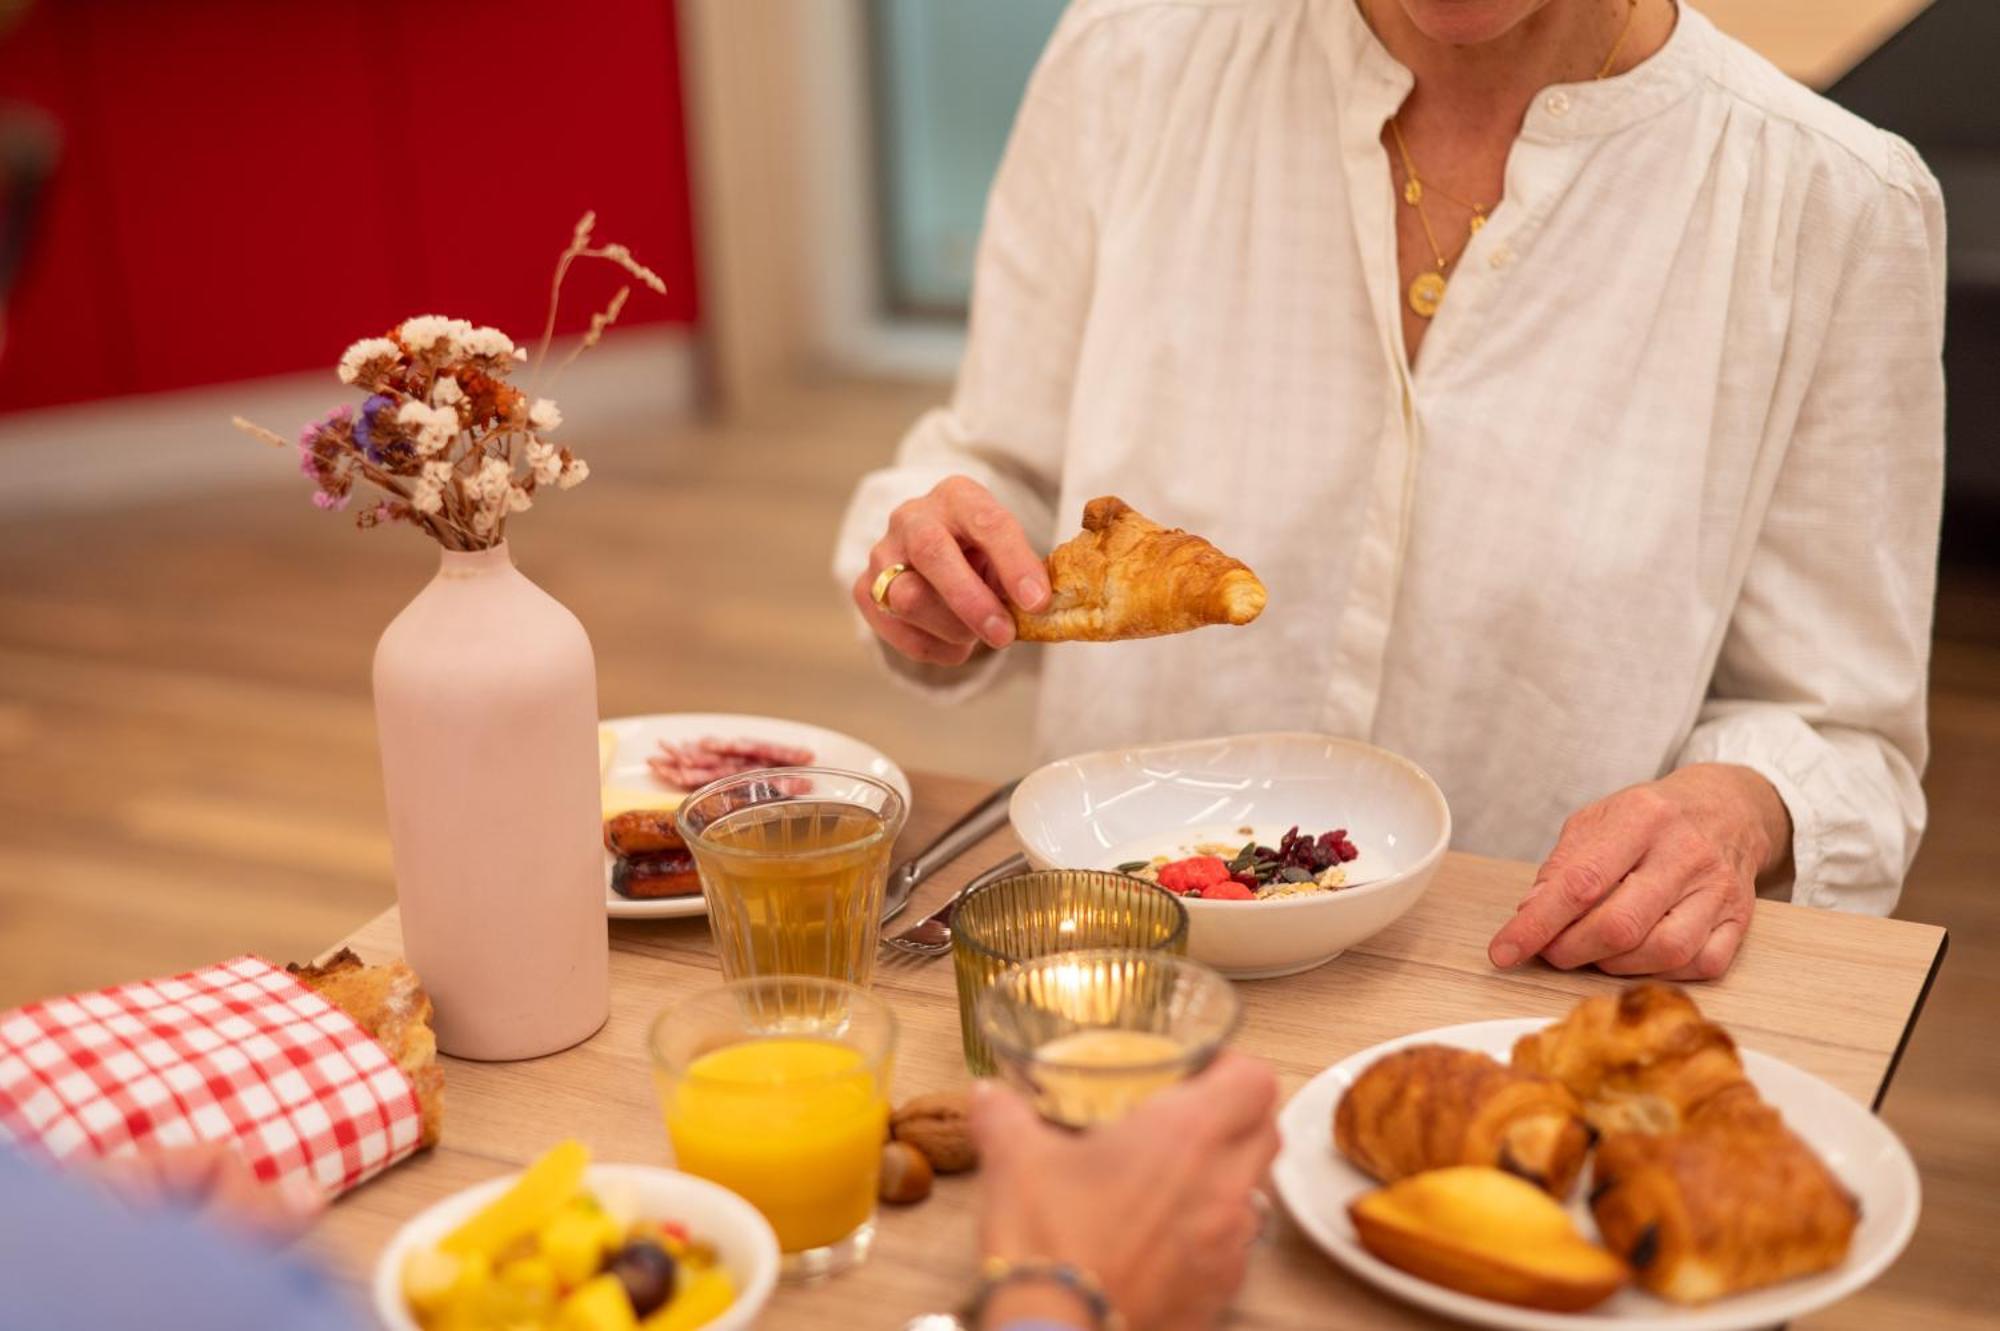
1157	1206
1657	879
211	1179
960	546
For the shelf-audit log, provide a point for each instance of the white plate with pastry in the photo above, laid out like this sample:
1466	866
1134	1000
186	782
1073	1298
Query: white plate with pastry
1656	1189
647	762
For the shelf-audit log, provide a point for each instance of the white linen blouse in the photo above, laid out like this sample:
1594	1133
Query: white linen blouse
1662	488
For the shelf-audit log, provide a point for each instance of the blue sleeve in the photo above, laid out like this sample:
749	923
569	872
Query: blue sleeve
72	1258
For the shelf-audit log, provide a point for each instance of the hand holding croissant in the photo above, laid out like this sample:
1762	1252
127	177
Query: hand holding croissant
1124	576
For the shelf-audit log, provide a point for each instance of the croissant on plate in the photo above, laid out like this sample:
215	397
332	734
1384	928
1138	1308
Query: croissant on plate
1431	1106
1126	576
1733	1201
1642	1061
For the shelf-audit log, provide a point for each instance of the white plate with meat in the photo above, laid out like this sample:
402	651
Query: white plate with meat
649	761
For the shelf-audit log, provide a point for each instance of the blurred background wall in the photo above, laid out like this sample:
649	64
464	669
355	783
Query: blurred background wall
238	187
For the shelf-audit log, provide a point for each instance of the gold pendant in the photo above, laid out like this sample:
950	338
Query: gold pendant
1426	293
1478	220
1413	191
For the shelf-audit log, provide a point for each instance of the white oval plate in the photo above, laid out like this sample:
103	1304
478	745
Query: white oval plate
639	737
1317	1184
744	1241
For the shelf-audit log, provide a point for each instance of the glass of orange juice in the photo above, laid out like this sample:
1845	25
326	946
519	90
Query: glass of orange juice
777	1088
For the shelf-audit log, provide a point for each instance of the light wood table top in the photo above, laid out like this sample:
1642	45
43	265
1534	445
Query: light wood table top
1834	994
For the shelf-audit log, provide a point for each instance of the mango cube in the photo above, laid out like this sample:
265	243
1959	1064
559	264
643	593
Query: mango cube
599	1305
529	1204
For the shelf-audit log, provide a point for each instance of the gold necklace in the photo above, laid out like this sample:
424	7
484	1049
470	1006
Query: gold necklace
1427	289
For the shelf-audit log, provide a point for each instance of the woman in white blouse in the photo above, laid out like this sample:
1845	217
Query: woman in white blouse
1570	376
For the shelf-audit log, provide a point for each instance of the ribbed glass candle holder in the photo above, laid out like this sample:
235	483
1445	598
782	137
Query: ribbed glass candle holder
1048	911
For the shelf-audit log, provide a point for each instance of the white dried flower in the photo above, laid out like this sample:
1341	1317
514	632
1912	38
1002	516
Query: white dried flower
490	482
373	355
433	427
446	392
484	520
486	344
574	473
544	461
518	499
426	496
433	335
621	256
544	415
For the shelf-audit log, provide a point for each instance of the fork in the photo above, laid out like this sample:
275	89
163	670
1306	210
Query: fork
931	936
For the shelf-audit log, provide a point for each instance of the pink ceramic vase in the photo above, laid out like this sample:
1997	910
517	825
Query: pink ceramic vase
486	708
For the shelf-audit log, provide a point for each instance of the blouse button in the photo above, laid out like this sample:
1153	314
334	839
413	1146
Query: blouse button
1557	104
1500	258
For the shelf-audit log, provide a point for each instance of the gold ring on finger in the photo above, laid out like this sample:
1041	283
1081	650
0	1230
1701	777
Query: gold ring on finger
879	593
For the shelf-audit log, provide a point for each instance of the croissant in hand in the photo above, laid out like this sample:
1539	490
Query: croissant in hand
1432	1106
1126	576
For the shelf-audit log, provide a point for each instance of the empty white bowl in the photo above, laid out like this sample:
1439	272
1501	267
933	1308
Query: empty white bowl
742	1238
1098	810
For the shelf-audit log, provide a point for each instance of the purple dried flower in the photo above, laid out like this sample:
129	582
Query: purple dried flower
364	425
330	503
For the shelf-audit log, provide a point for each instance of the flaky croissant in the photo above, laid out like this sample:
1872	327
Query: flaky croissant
1126	576
1432	1106
1642	1061
1733	1201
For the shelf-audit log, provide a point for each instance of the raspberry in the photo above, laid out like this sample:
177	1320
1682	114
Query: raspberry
1197	871
1228	890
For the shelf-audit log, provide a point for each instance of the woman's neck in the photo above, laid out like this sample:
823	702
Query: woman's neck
1490	83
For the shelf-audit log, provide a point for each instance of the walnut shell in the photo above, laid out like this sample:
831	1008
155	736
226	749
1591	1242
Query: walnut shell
906	1174
939	1126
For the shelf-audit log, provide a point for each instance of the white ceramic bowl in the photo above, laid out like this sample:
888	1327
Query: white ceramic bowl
1100	809
742	1237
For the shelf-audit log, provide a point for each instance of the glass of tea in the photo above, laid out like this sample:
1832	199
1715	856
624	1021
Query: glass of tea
1088	1035
778	1089
793	861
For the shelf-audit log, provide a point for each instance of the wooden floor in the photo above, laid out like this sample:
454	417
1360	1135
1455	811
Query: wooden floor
188	768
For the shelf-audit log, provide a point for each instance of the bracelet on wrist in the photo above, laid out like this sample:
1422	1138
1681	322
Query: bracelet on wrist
998	1273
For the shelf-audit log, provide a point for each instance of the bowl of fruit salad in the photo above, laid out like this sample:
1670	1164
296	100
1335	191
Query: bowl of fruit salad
1286	848
571	1246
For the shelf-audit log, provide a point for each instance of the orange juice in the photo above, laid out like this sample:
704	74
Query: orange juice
794	1125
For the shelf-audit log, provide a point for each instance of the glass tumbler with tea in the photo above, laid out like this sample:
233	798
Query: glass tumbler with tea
793	861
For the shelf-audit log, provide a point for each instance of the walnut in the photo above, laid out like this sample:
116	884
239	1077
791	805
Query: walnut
938	1126
906	1173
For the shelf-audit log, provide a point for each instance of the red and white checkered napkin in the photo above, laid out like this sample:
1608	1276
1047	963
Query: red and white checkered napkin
239	1052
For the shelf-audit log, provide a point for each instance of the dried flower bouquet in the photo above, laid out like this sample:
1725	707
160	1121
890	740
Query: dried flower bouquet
452	446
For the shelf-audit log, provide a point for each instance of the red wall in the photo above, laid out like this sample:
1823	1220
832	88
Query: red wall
247	186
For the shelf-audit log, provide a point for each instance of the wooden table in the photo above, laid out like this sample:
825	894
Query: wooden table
1835	994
